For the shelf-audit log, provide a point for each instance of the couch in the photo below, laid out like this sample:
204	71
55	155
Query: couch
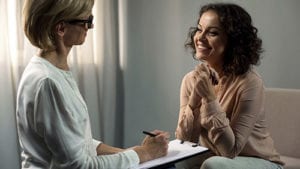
282	107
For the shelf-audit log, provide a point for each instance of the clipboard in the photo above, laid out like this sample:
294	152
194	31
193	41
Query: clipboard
177	151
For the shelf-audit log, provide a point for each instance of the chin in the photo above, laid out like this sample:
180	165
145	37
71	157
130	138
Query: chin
80	43
201	57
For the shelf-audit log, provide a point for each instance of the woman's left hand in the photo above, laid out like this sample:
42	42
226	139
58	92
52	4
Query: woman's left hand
203	84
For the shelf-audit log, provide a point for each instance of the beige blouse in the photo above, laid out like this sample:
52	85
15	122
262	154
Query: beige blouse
232	125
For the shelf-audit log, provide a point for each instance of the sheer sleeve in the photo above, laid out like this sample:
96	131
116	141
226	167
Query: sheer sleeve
230	136
188	127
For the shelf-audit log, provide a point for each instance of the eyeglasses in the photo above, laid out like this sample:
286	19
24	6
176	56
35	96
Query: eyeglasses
88	22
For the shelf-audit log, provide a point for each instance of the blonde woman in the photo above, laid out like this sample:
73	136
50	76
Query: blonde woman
53	122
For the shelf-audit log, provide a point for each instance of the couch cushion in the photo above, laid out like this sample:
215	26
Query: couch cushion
291	163
282	107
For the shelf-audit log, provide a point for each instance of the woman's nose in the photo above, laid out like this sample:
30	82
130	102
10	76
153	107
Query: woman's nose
201	36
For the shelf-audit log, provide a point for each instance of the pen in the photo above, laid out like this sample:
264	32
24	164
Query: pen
149	134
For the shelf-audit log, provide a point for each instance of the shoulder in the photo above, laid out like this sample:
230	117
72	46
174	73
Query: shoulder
187	79
252	77
37	69
251	83
36	75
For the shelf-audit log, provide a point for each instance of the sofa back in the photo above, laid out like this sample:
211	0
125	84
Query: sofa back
282	107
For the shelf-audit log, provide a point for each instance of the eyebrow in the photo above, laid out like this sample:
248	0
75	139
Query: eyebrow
210	27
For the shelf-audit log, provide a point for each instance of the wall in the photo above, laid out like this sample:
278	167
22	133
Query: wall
155	60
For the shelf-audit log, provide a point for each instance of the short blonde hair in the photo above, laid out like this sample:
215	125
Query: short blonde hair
40	18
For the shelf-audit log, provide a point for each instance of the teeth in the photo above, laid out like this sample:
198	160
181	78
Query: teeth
201	47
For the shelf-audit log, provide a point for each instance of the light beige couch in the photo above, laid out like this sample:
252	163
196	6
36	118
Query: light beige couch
283	117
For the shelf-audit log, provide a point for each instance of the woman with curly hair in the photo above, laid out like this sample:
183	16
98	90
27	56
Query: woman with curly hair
222	99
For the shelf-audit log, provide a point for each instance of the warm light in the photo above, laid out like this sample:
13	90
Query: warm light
12	30
122	33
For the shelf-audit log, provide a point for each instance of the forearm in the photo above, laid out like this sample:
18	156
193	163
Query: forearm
142	153
188	125
214	120
221	132
188	122
104	149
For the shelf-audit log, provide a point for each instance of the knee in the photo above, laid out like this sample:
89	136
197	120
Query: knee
215	162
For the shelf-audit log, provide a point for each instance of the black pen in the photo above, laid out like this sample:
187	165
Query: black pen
149	134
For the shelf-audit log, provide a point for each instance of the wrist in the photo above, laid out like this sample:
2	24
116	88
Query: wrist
194	103
209	99
142	153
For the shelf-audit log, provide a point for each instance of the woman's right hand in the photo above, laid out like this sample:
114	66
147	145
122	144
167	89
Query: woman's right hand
153	147
195	98
203	85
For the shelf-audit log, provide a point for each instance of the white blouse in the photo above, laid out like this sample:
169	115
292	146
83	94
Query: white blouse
53	123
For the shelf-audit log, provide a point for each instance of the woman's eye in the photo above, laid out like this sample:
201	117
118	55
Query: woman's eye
213	33
198	30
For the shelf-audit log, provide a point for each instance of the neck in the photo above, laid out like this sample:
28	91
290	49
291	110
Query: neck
218	68
57	57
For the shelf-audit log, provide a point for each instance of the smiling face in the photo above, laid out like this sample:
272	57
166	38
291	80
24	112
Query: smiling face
210	39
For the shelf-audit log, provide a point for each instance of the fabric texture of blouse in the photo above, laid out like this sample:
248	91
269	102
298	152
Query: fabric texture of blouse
232	125
53	123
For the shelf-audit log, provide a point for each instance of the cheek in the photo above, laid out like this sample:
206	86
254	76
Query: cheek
67	39
222	48
219	46
194	39
196	36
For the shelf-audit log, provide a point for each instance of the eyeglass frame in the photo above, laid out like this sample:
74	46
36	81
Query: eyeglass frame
88	21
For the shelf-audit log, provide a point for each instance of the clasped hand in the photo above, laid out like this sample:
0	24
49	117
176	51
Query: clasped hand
203	87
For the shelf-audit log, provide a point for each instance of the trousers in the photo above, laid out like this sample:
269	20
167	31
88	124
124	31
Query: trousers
207	161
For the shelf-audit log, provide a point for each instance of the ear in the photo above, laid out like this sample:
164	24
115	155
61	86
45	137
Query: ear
60	29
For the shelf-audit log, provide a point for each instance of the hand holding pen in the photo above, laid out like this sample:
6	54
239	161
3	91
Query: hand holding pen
149	133
154	145
156	136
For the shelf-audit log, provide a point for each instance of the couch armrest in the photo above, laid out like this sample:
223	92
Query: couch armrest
282	107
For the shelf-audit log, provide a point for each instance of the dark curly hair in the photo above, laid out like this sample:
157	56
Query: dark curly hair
243	47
